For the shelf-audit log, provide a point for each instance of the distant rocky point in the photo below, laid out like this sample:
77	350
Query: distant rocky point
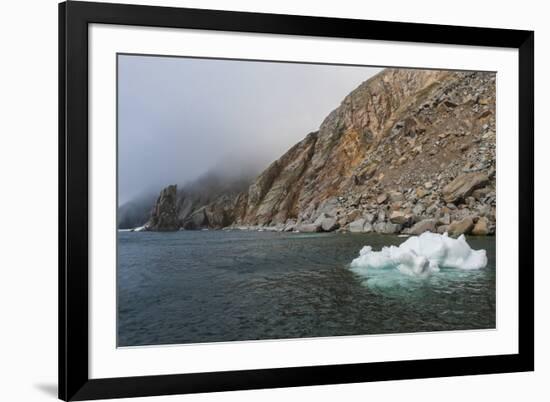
408	151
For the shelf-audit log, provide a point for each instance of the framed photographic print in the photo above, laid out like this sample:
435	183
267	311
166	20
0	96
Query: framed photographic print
257	200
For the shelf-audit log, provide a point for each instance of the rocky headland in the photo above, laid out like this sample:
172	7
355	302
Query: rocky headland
408	151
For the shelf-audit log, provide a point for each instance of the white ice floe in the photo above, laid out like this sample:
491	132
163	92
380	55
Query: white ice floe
422	255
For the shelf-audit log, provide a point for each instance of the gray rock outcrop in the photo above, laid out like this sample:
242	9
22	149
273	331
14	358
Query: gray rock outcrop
164	217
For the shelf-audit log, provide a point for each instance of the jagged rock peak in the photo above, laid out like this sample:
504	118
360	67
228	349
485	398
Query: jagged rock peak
164	216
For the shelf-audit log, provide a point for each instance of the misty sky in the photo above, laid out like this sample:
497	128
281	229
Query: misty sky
180	117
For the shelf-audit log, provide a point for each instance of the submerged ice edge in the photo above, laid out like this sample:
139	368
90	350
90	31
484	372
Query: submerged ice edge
422	255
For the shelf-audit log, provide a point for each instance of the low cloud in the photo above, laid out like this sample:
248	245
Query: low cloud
181	117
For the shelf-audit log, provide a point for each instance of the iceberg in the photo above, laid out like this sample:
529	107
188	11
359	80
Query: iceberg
422	255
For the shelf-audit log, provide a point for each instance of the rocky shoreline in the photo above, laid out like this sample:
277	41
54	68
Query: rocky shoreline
393	213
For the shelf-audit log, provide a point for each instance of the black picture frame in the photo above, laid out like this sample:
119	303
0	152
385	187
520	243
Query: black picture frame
74	18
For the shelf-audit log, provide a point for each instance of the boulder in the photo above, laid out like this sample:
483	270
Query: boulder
387	228
396	196
480	193
442	229
445	219
382	198
353	215
463	186
320	219
369	218
328	207
481	228
426	225
400	217
290	225
357	226
463	226
329	224
308	228
396	206
421	192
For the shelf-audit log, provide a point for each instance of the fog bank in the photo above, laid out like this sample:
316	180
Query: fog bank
179	118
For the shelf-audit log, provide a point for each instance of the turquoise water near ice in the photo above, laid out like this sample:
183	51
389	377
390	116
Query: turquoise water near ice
215	286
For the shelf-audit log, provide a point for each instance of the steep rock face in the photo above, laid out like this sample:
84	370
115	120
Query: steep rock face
272	198
209	201
404	143
216	214
174	210
164	217
324	163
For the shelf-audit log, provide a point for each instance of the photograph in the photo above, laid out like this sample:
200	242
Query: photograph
264	200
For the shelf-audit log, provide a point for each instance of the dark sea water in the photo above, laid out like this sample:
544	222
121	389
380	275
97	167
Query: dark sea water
213	286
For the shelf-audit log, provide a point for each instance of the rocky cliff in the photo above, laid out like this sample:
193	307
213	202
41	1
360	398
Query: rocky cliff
164	214
208	202
407	151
